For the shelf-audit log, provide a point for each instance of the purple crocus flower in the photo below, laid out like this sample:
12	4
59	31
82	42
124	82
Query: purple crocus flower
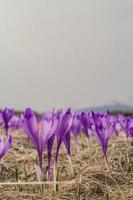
117	126
123	121
87	122
15	123
39	133
103	130
129	126
76	126
7	114
65	119
49	124
4	145
1	120
66	141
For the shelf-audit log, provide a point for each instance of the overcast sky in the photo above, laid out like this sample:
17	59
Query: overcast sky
59	53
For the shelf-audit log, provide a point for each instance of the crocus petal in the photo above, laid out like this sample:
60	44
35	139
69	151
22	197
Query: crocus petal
4	147
7	144
76	126
1	148
103	129
66	140
64	126
31	125
48	126
49	147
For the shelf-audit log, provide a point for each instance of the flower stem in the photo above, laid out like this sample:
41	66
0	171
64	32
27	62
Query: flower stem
70	162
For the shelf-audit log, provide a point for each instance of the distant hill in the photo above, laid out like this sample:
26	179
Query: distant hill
116	107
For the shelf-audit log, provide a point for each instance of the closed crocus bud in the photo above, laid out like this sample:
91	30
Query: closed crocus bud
7	114
87	122
103	130
123	121
65	119
1	119
15	123
129	126
76	126
48	126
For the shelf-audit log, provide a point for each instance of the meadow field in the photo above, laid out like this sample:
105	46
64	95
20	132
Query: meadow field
90	179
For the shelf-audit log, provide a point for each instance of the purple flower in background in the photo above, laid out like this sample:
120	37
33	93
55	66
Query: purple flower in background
4	145
129	126
1	120
7	114
15	123
39	132
87	122
103	129
117	126
76	126
123	121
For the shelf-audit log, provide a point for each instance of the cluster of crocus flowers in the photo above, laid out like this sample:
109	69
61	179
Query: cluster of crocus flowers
57	127
43	132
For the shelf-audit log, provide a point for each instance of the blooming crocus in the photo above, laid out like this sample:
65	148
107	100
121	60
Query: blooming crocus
87	122
4	145
7	114
1	120
48	126
129	126
103	130
65	119
76	126
39	132
66	141
117	126
15	123
123	121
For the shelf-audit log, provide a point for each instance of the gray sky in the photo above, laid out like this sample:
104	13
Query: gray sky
65	53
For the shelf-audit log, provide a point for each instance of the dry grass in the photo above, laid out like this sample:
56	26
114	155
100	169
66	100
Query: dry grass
90	181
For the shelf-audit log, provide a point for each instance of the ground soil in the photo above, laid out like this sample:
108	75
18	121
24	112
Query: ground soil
91	178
